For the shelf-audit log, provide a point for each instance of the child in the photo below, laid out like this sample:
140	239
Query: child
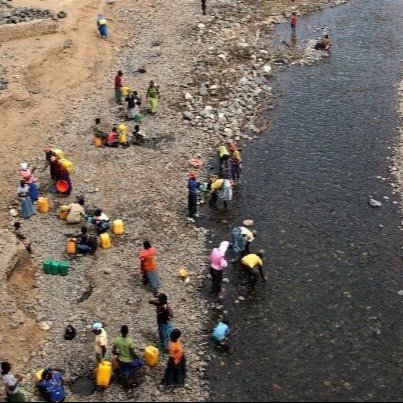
175	373
221	333
113	138
294	21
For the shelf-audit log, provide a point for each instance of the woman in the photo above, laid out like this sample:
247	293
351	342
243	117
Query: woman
164	316
60	173
217	266
28	176
153	97
12	384
76	212
51	386
133	105
175	373
27	207
102	26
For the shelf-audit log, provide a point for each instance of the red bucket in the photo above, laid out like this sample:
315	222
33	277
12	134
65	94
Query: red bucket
62	186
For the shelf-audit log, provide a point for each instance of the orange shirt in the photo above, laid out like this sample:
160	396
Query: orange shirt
147	258
175	350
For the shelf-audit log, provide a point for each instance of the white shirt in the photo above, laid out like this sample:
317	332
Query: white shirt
247	234
9	381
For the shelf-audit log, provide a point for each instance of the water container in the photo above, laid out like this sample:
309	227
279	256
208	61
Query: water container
98	142
54	268
59	153
64	268
63	212
47	266
71	247
43	205
66	164
118	227
125	91
104	373
105	240
152	356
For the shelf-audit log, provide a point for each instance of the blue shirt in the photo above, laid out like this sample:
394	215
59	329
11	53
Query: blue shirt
53	389
220	331
193	185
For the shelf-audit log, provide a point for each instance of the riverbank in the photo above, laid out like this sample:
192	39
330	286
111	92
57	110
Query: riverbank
215	69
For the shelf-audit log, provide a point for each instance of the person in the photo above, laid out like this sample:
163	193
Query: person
203	5
123	132
220	188
253	263
220	334
193	186
85	242
175	373
12	384
61	173
293	21
217	266
235	161
241	240
223	155
164	316
113	138
153	96
148	267
324	44
27	207
19	233
52	385
76	212
128	361
98	131
102	25
133	106
138	136
101	341
118	86
101	221
29	178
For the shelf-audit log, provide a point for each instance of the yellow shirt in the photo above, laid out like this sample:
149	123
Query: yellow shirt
217	184
235	156
252	260
222	150
101	340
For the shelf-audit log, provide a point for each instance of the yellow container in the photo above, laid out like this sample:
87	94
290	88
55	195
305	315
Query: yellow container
67	164
71	247
105	241
59	153
43	205
118	227
104	373
184	273
152	356
38	374
98	142
125	91
122	138
63	212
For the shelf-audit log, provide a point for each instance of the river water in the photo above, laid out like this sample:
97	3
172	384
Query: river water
327	324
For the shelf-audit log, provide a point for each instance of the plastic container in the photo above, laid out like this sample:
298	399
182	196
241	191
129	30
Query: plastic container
43	205
125	91
54	269
38	374
64	268
152	356
104	373
62	186
71	247
63	212
67	164
59	153
105	241
98	142
47	266
118	227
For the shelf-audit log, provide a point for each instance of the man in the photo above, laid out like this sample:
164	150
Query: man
253	264
193	186
148	267
293	21
123	349
101	341
203	4
118	86
12	384
85	243
324	44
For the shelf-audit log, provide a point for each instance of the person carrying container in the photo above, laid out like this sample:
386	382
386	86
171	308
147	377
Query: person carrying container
101	341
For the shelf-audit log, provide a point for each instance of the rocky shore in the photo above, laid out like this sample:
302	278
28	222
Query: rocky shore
213	74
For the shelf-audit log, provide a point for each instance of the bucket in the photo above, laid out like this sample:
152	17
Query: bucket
62	186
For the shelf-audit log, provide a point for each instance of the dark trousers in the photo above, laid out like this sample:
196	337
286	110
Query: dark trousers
213	199
203	4
216	280
192	204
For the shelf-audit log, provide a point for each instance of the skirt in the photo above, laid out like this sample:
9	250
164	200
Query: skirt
175	374
27	207
153	104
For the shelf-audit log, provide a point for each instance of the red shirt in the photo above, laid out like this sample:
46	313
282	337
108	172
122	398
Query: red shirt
147	258
112	136
118	82
293	20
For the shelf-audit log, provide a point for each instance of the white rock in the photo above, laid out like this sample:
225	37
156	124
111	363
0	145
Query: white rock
13	212
267	68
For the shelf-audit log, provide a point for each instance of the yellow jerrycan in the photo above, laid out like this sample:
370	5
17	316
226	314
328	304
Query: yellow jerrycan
98	142
105	241
71	247
118	227
43	205
104	373
58	153
152	356
63	212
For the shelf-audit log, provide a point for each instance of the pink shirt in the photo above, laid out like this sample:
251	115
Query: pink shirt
217	260
27	175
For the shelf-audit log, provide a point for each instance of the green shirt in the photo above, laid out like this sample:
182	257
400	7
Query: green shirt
124	344
152	92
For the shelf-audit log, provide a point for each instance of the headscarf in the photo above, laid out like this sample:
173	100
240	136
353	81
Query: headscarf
24	166
223	247
97	326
